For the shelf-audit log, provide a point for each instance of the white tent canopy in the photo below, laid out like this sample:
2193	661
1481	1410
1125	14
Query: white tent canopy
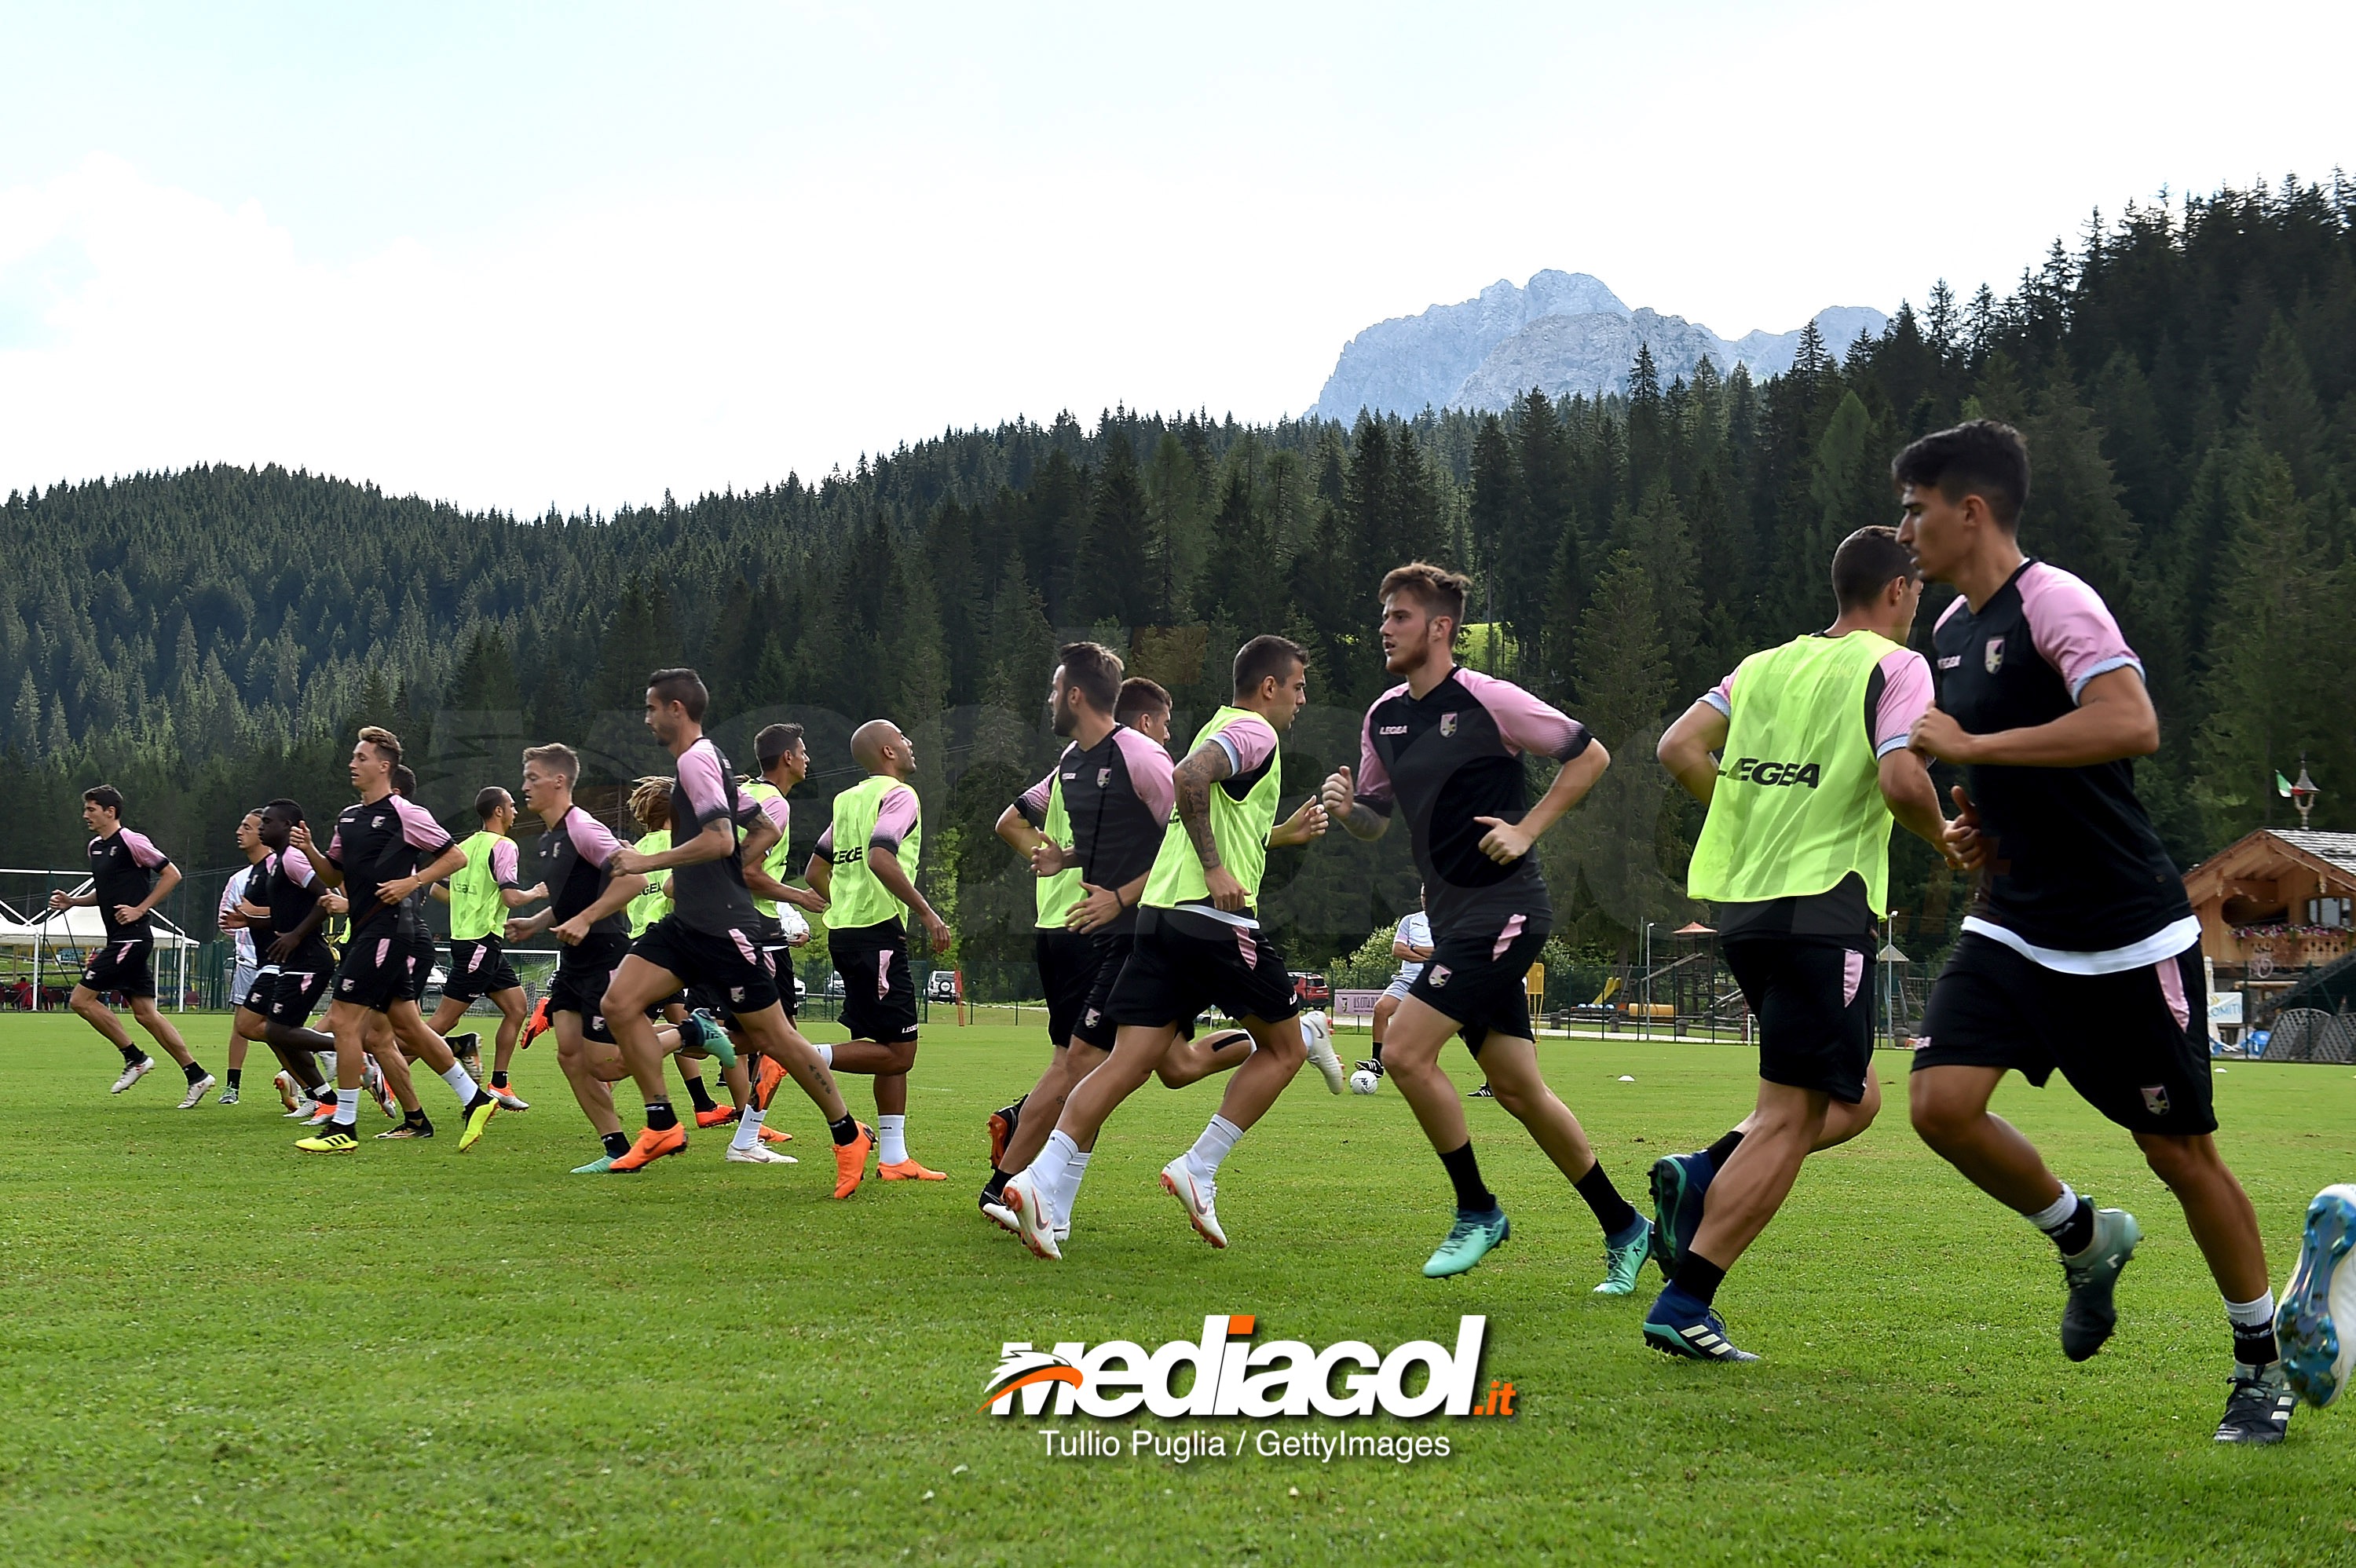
77	928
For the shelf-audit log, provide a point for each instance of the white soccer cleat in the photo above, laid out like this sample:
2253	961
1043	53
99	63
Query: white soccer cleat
998	1214
284	1083
2316	1321
1317	1034
758	1155
134	1073
508	1098
197	1091
1028	1205
1178	1179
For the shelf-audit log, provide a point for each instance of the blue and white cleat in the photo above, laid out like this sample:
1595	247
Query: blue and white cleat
1679	1184
2316	1321
1685	1330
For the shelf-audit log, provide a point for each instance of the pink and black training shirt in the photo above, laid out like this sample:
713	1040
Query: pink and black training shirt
2076	878
379	842
572	856
1118	796
122	869
1447	759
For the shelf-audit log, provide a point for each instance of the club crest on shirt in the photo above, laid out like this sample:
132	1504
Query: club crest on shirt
1438	974
1104	777
2154	1099
1992	655
1448	724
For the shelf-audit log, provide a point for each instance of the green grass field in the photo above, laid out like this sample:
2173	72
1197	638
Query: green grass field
220	1350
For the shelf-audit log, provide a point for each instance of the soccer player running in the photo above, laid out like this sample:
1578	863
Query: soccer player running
865	869
586	901
1197	943
233	923
1794	855
128	878
480	893
2081	952
709	939
383	850
1445	747
289	904
1079	955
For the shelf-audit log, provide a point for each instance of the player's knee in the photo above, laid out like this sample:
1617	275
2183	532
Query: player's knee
1940	1119
2178	1161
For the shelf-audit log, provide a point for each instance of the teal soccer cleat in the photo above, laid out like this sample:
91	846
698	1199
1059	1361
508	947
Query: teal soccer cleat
1469	1241
1624	1260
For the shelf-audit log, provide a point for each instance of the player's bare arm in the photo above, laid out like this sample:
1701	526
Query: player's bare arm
1306	823
717	842
1342	805
1193	778
329	874
894	878
2114	721
1914	800
620	889
452	859
1506	842
1689	749
1102	906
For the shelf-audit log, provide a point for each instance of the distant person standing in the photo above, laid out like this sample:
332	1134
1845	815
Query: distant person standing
2081	952
1411	946
233	924
864	868
128	878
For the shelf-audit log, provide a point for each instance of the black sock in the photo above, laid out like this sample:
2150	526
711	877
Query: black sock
194	1070
234	1075
1723	1149
417	1118
700	1094
499	1080
992	1190
2077	1232
2255	1347
131	1055
1612	1210
845	1131
1698	1277
1471	1195
661	1118
1378	1053
618	1144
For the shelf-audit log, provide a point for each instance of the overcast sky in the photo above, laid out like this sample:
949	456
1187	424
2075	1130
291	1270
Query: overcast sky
578	254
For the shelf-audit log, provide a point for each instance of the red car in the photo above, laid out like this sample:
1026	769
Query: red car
1310	990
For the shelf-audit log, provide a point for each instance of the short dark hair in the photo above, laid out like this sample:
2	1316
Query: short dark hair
1979	457
1094	670
288	812
1140	696
559	756
684	686
488	799
774	742
404	781
1266	655
1439	591
387	744
1868	561
106	795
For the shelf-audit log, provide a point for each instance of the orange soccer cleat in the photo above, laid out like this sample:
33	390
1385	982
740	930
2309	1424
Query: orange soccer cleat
851	1161
765	1081
651	1146
718	1116
772	1136
537	1025
909	1170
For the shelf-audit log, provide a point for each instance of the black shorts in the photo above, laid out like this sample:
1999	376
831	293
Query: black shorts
2134	1044
123	965
582	971
1067	973
1814	1010
879	990
421	979
478	969
1095	1027
1479	977
770	938
381	968
727	968
289	993
1181	962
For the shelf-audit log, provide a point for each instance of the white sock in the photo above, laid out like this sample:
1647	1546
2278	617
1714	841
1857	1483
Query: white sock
461	1085
2258	1314
748	1129
1218	1141
1047	1170
1069	1193
891	1139
825	1051
348	1107
2050	1218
